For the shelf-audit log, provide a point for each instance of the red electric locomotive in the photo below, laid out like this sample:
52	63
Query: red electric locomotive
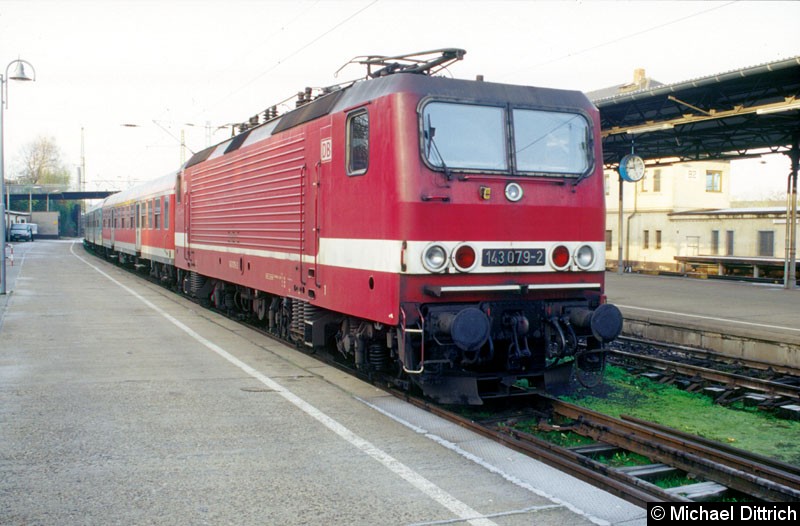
445	232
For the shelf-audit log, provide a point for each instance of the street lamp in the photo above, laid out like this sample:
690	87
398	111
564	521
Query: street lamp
19	74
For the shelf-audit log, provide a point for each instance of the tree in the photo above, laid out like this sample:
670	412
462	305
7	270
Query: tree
41	163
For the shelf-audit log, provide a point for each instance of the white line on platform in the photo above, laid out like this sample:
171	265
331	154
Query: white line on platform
462	510
762	325
558	503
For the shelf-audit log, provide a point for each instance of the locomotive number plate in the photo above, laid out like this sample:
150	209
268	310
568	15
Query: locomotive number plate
512	257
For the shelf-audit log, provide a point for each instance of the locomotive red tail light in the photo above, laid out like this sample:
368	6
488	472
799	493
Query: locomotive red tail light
464	258
560	257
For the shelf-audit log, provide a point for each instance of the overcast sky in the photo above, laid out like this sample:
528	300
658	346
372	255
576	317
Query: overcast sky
173	66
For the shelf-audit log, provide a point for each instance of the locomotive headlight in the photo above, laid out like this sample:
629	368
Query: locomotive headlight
464	258
434	259
513	192
584	257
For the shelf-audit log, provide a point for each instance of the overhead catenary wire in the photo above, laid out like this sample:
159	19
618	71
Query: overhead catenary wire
294	53
616	40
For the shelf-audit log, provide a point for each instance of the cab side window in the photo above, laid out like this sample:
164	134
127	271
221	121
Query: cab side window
357	142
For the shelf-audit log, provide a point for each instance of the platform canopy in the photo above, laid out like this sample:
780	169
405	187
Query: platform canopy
741	113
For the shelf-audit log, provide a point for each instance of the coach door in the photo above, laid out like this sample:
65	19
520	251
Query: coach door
138	227
113	225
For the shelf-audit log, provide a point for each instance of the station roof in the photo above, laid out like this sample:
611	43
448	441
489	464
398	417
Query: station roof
740	113
60	196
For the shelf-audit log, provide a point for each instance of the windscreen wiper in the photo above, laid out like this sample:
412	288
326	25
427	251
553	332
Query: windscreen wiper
429	132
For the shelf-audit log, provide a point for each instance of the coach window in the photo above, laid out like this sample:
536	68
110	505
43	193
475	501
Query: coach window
157	220
150	209
166	213
357	142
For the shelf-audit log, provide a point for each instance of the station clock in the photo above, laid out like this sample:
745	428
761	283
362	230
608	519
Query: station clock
631	168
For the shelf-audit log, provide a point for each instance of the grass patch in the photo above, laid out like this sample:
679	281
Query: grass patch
559	438
674	481
693	413
625	459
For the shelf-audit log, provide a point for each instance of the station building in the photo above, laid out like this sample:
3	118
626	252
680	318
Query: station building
680	218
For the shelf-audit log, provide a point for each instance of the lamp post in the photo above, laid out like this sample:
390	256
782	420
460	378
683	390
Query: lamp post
19	74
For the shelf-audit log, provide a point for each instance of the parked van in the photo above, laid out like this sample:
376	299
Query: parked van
20	232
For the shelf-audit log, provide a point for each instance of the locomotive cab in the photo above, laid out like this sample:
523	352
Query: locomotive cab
502	209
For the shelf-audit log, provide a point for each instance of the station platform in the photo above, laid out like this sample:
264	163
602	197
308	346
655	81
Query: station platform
737	318
126	404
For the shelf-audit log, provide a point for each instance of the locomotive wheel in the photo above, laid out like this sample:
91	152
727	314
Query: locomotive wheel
589	368
260	308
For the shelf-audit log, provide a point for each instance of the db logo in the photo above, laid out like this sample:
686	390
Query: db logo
325	150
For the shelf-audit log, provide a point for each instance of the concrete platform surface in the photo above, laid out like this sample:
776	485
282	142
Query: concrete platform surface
739	319
123	403
730	306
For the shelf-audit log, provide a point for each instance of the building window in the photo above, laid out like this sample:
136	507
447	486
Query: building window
642	187
657	180
729	242
692	245
658	239
607	184
609	240
357	142
646	239
714	242
766	243
713	181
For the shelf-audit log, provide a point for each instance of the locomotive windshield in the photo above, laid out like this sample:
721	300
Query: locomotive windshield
474	137
550	142
465	136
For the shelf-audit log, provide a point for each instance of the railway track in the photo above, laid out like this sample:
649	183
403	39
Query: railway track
718	469
727	379
700	356
757	477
